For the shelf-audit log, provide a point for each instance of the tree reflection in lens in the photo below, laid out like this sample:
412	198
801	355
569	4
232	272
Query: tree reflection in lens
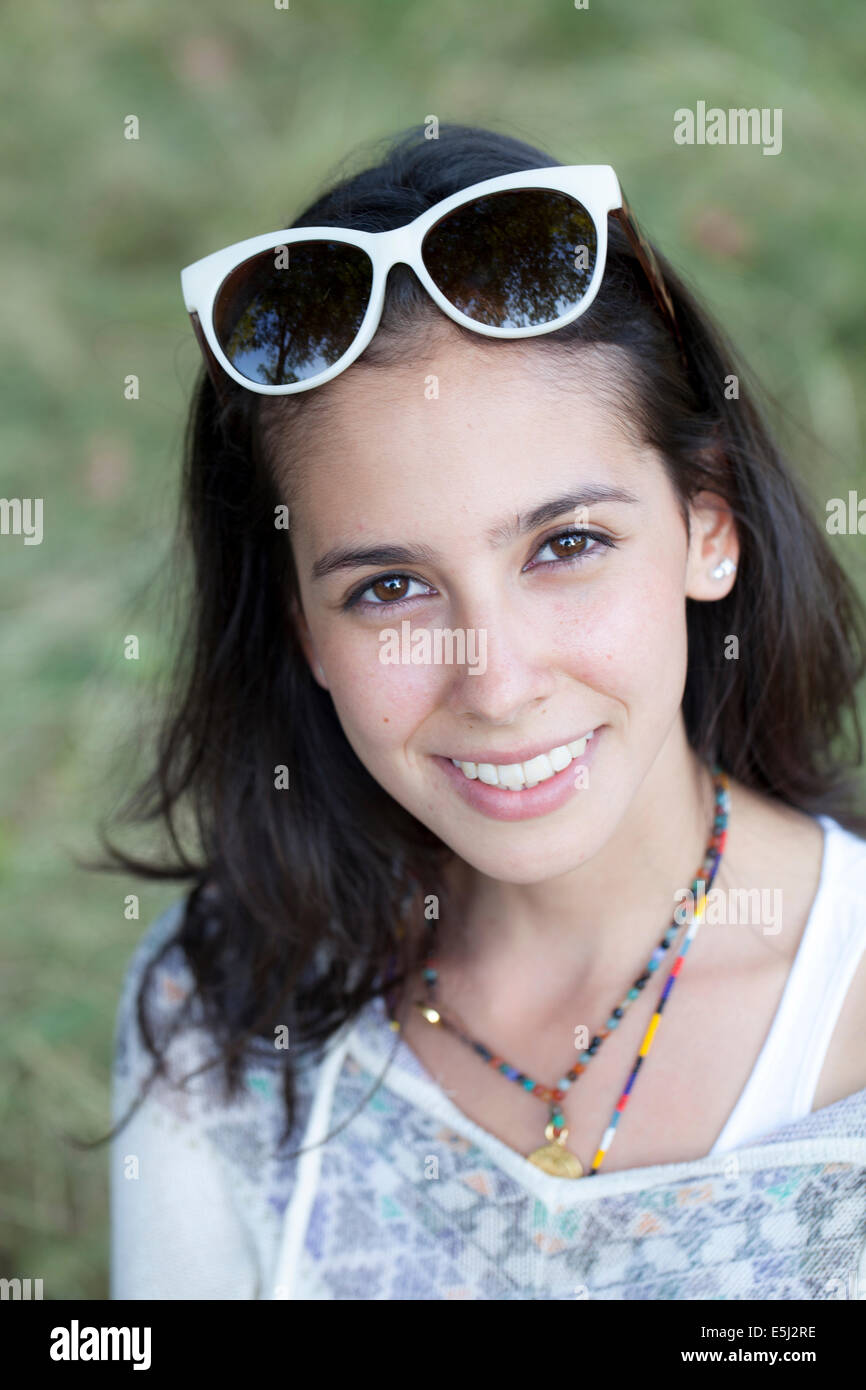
279	326
510	259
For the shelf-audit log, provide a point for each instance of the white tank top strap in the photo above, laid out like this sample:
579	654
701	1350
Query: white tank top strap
783	1082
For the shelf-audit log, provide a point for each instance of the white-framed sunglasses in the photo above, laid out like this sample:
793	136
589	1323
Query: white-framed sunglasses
509	257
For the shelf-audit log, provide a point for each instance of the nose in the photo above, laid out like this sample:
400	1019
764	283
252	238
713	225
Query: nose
516	675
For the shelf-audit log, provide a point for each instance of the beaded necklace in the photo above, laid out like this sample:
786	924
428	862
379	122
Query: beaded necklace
553	1157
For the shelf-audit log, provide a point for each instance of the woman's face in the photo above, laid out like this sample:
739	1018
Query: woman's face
456	512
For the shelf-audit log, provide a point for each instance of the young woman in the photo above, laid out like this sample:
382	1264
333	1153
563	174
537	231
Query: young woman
524	954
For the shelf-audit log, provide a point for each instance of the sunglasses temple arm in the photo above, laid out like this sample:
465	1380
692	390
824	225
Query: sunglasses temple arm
651	269
217	375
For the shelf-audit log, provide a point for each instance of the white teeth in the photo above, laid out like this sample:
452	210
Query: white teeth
512	776
516	776
560	757
538	770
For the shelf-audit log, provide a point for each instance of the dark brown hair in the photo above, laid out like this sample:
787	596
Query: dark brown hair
297	901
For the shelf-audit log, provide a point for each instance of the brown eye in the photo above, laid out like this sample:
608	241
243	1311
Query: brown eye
573	543
388	591
392	587
573	546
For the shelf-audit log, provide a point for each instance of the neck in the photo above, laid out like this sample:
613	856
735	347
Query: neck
599	921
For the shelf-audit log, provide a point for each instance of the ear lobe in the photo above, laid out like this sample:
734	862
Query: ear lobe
714	548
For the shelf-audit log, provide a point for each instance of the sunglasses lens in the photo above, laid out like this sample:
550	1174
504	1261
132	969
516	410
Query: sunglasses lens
513	259
291	312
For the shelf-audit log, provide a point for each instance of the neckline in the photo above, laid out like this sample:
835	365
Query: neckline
413	1082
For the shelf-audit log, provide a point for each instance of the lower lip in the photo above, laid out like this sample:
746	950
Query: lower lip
532	801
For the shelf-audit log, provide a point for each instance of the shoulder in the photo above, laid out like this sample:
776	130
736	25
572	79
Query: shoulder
780	850
158	977
846	864
197	1175
187	1093
820	868
779	831
190	1089
158	939
770	826
810	859
186	1171
842	905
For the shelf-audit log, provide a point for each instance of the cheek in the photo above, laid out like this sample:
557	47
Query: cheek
628	639
379	704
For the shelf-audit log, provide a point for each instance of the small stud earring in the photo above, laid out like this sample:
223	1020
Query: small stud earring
320	671
723	569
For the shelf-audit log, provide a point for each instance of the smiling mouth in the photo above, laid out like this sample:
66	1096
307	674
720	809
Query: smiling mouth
517	777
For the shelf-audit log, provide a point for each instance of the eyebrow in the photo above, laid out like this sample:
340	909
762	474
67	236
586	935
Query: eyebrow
353	557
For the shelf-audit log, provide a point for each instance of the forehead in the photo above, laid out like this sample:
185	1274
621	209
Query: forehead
471	427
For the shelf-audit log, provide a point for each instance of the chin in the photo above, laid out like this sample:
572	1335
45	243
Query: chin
528	852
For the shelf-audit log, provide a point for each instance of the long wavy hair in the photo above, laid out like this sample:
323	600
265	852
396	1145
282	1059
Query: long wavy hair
298	901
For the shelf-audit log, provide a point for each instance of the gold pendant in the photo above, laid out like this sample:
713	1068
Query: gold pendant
555	1158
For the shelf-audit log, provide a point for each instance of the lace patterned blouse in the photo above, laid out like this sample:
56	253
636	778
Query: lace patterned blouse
408	1198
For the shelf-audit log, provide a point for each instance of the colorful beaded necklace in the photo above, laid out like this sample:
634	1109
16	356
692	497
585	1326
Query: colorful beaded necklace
553	1157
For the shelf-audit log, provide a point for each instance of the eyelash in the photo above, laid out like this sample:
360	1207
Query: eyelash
356	601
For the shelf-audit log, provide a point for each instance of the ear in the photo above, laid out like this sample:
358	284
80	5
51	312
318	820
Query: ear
306	641
713	539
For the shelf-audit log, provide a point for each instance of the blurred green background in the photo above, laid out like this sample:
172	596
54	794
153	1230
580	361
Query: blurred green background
244	111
